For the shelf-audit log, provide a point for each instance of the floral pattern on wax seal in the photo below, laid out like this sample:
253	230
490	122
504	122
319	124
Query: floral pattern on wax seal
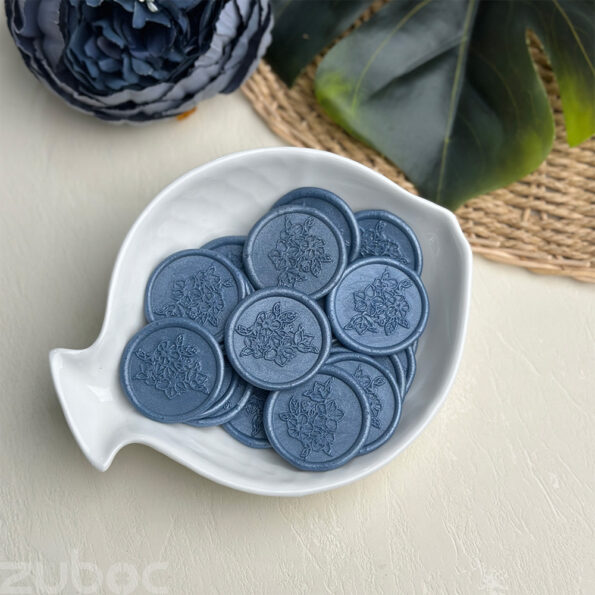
381	305
173	367
322	424
199	285
198	297
247	425
295	247
392	364
333	206
172	370
254	408
276	336
383	234
375	242
298	253
313	419
232	247
380	389
370	387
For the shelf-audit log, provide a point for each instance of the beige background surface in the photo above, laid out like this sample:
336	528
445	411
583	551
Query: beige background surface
496	496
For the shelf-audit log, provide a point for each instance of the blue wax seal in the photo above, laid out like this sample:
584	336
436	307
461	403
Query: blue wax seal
407	359
381	391
277	338
295	247
379	307
334	207
247	425
200	285
229	384
172	370
238	393
385	234
390	364
232	247
321	424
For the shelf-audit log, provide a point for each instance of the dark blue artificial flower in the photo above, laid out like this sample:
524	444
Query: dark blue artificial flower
140	59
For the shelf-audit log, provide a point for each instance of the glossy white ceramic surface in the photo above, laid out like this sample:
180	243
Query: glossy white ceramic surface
225	197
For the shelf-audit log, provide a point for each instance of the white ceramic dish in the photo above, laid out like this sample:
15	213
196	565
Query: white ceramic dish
225	197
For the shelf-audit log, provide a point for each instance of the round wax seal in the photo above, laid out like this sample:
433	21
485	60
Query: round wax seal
200	285
297	248
229	384
247	425
172	370
379	307
238	392
277	338
232	247
381	391
392	364
407	359
385	234
334	207
321	424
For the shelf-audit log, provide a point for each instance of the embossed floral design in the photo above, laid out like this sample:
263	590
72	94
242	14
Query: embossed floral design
274	337
369	386
173	368
198	297
298	253
375	242
313	419
380	305
255	408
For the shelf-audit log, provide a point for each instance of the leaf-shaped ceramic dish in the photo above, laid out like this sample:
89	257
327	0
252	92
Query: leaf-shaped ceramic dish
226	197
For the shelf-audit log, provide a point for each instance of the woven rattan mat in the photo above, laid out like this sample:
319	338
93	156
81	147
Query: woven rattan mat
544	222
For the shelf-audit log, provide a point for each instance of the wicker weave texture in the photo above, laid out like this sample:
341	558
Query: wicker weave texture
544	222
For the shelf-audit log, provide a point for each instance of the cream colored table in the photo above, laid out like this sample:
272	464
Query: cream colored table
497	495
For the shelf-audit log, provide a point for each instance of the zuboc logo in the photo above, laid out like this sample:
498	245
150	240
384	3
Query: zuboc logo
86	578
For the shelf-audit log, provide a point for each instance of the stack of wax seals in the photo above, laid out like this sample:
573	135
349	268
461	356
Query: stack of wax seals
300	336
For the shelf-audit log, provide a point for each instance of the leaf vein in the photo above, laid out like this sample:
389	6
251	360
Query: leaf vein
379	49
451	108
575	35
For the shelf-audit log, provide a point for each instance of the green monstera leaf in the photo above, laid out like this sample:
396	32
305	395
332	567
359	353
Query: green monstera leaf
304	27
447	90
